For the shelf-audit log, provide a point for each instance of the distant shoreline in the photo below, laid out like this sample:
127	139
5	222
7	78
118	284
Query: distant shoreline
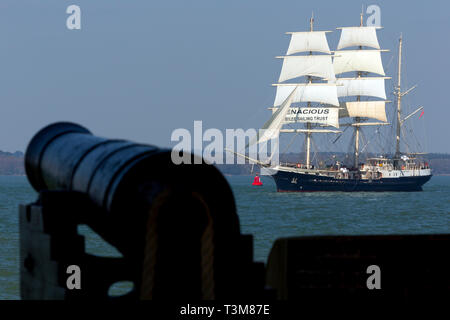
225	174
12	175
12	164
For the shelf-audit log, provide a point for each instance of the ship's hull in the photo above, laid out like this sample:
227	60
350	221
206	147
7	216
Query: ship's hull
303	182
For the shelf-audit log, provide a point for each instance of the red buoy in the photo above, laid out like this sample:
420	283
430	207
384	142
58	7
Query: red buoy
257	181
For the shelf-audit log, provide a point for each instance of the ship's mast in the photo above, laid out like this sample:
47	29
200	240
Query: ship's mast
399	98
362	60
308	124
309	91
357	119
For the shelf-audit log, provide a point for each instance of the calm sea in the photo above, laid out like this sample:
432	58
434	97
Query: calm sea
266	214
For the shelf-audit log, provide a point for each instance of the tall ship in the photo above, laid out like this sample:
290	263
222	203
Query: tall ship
327	103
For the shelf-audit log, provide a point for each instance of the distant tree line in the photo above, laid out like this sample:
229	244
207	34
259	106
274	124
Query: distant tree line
13	164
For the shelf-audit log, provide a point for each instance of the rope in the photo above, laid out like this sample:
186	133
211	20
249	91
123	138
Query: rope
207	254
151	247
292	141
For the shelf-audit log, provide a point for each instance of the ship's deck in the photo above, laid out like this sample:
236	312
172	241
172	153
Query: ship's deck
364	172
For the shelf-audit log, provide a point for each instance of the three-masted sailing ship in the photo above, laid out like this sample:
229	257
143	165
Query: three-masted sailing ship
329	101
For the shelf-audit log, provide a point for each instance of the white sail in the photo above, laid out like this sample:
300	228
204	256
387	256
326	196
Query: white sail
358	60
365	109
373	87
271	129
358	36
308	92
308	41
326	116
312	65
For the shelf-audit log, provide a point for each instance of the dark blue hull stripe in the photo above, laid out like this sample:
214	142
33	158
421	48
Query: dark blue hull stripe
292	181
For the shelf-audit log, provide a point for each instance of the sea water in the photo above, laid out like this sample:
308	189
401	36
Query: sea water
265	214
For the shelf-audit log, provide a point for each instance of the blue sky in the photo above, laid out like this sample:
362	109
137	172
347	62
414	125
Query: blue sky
140	69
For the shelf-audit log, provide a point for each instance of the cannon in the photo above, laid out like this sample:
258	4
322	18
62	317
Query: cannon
175	225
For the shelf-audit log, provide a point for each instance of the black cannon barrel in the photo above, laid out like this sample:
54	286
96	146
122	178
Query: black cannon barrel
66	156
124	178
177	223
